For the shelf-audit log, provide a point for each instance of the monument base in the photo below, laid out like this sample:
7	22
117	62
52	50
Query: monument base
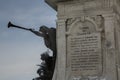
88	41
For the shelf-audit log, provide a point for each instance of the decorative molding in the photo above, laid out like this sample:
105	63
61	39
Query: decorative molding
96	23
103	3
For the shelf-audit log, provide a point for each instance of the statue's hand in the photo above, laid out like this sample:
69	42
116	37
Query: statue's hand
31	29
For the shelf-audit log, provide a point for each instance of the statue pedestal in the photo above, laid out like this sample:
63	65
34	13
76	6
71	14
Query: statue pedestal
88	41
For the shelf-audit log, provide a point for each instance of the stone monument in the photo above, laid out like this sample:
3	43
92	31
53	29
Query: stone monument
88	39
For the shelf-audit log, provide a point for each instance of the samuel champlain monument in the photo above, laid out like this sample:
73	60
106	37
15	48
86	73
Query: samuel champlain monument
85	43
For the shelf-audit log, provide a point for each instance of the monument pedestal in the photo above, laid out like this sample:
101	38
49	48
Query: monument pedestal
88	39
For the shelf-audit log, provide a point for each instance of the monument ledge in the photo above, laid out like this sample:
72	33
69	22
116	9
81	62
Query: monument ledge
53	3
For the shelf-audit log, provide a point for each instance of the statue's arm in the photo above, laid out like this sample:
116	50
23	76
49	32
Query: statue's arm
37	32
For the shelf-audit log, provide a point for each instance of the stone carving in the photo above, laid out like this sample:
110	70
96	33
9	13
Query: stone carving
100	22
82	24
97	22
84	46
102	19
118	18
85	54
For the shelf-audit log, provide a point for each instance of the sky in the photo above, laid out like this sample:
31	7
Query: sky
19	49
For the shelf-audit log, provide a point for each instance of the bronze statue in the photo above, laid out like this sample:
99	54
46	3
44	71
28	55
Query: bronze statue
49	35
45	70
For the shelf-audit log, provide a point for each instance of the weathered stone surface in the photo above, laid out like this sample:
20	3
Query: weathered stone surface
88	39
84	52
53	3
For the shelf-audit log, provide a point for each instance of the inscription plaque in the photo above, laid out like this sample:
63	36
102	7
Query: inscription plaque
85	56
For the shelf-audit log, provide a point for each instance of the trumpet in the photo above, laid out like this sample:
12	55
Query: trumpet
12	25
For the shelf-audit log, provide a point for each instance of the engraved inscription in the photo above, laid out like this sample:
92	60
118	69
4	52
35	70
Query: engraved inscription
85	54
